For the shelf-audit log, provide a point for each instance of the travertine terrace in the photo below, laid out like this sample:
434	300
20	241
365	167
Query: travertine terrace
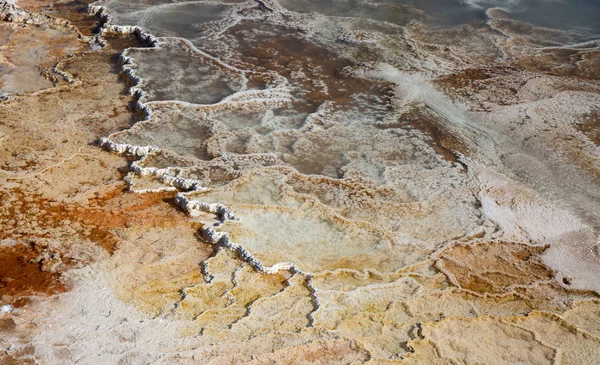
300	181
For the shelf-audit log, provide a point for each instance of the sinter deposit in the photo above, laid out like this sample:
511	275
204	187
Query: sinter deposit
300	181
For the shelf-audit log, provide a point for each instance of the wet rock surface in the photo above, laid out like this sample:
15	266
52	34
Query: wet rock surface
328	182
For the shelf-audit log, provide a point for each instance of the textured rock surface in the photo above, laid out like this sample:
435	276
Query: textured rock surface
327	182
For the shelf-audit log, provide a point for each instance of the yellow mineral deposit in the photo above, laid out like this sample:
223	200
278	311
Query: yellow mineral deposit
300	181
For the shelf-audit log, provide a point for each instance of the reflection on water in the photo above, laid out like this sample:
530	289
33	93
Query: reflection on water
399	12
559	14
545	13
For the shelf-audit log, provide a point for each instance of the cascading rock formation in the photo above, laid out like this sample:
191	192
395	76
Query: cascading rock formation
300	181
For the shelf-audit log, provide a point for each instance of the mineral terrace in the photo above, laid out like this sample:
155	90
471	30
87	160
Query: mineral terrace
298	181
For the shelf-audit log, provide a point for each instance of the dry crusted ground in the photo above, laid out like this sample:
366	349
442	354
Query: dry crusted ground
75	246
63	199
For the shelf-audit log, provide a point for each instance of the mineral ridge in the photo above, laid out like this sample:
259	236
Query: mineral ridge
300	181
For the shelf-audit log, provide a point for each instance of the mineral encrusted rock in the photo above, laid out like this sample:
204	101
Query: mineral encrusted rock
279	184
